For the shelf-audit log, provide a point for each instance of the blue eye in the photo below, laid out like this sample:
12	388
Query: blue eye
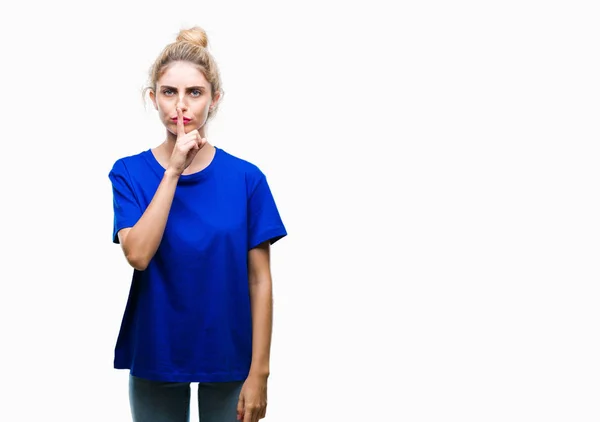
194	92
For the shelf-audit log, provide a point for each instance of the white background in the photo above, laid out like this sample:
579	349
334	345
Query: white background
435	164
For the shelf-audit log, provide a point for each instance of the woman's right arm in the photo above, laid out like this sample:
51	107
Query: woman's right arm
141	241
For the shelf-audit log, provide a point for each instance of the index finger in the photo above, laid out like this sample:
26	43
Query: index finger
180	125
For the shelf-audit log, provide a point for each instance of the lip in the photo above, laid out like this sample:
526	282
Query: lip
185	120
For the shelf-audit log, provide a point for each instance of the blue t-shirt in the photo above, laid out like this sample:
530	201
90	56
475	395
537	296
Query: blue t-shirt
188	316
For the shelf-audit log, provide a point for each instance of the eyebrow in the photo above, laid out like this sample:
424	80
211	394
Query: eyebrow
188	88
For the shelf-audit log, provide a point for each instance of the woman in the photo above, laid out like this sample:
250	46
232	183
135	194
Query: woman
196	224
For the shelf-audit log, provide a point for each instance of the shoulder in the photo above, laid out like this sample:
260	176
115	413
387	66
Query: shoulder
123	165
251	174
249	170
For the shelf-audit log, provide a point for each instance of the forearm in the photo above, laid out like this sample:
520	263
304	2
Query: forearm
261	300
145	236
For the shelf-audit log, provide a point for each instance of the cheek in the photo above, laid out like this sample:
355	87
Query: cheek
199	109
163	108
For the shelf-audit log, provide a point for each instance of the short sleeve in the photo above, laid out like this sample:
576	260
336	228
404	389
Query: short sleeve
127	210
264	221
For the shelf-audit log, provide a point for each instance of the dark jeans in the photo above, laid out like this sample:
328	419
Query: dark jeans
156	401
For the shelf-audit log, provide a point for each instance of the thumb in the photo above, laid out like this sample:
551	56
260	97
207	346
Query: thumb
240	407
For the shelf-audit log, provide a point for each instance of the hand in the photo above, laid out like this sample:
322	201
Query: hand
252	404
186	147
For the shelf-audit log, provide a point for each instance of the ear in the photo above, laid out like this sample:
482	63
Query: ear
215	99
153	98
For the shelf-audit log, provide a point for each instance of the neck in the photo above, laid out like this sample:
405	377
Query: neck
171	139
202	158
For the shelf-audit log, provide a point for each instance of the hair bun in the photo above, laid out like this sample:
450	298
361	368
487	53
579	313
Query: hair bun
195	35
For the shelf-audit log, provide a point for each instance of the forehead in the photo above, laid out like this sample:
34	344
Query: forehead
183	74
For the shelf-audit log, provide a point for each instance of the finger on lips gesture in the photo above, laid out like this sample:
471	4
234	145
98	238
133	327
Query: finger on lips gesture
193	135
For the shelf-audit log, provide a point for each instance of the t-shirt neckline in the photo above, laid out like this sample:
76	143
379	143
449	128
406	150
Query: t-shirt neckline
206	171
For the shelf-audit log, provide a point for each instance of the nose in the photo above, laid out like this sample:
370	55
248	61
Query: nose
181	104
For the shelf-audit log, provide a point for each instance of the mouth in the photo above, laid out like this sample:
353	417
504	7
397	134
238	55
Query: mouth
185	120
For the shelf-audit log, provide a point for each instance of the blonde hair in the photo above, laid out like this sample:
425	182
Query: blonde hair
191	45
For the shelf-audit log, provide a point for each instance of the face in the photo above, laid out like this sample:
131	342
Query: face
183	85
